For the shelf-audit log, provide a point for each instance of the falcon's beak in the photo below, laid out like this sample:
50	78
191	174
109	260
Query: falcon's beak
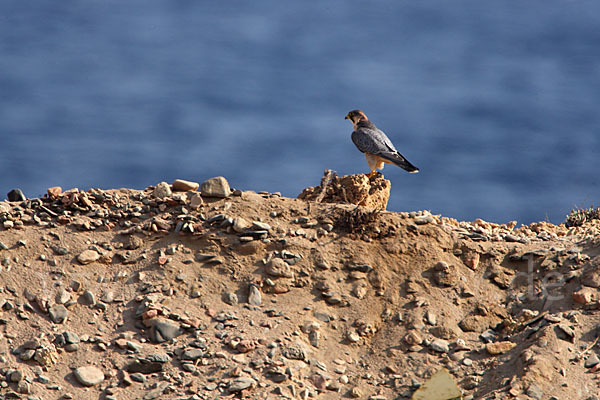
347	116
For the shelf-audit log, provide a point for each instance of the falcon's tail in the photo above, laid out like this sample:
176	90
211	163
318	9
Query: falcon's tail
399	160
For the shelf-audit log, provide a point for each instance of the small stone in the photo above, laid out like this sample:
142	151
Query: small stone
62	296
54	192
107	297
413	338
23	387
241	383
88	298
16	195
279	268
144	366
261	225
162	190
240	224
133	242
471	259
192	354
138	377
313	338
71	337
423	220
431	318
88	256
254	296
359	290
16	375
230	298
89	375
163	331
440	345
499	347
592	361
72	347
58	313
583	296
184	186
215	187
444	275
196	200
353	337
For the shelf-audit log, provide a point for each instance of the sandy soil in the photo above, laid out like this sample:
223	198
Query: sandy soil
177	296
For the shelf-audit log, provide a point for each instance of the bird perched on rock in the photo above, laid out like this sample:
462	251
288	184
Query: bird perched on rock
378	148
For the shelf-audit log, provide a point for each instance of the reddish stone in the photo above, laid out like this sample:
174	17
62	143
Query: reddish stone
150	314
319	381
211	312
499	347
246	345
583	296
54	192
280	289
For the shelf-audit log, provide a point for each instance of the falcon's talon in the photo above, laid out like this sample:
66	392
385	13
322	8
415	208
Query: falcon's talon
377	147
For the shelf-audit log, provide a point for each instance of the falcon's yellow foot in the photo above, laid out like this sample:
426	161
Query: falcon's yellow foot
371	174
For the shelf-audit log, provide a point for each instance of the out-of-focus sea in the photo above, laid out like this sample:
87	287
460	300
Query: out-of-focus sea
497	102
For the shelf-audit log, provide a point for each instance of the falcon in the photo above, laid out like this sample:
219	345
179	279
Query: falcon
378	148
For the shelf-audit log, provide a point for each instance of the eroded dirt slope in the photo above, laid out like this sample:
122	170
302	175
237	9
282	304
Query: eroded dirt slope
127	294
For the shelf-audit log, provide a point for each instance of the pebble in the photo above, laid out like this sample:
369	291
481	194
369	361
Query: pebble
592	361
192	354
162	190
16	195
138	377
215	187
240	224
62	296
89	298
254	296
184	186
89	375
58	313
71	337
54	192
144	366
279	268
583	296
440	345
16	375
163	331
241	383
230	298
261	225
499	347
23	387
88	256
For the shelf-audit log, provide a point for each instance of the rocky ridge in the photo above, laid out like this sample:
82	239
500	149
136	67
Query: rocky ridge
163	293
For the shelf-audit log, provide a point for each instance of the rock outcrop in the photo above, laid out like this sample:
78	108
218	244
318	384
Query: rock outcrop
359	189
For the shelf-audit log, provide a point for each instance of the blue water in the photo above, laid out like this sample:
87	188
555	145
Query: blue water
496	102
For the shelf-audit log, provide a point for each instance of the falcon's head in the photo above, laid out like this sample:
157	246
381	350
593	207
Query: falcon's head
355	116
